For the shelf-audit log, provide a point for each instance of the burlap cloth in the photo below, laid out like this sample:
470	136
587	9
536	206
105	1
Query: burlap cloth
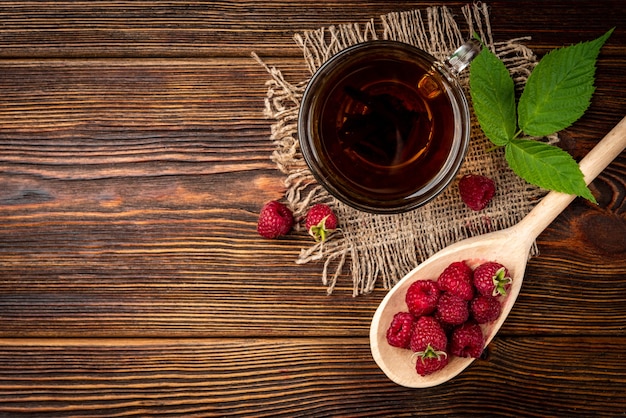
386	247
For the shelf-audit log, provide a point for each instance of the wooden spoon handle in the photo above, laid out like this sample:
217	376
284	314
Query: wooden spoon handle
604	152
594	162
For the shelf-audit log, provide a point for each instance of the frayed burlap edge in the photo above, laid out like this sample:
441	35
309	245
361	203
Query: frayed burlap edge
386	247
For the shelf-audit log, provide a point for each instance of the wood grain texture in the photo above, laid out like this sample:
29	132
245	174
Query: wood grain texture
134	157
204	29
135	194
301	377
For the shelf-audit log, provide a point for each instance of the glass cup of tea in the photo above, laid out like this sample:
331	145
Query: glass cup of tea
384	126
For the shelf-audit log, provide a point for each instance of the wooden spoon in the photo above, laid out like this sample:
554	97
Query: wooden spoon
510	247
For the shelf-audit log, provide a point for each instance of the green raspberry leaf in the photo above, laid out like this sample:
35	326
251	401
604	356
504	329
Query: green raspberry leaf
493	96
559	89
546	166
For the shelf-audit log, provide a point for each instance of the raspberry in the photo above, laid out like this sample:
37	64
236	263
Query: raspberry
321	221
431	362
452	310
492	279
467	340
476	191
428	331
401	329
457	279
485	309
421	297
275	219
429	342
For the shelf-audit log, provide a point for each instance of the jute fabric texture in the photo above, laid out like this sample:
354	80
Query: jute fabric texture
378	250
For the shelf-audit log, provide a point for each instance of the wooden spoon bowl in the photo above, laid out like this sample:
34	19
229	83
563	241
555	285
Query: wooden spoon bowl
510	247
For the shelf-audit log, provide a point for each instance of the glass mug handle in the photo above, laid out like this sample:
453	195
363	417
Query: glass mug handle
461	58
453	65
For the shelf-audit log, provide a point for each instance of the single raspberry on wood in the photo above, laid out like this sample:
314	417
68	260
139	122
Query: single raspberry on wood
321	221
400	330
421	297
476	191
467	340
492	279
485	308
457	279
429	344
275	219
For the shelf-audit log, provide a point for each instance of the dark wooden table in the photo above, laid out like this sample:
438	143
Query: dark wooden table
134	158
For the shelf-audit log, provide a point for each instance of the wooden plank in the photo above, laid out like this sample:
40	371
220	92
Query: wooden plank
301	377
198	29
53	97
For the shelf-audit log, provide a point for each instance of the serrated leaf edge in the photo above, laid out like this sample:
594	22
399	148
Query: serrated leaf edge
578	185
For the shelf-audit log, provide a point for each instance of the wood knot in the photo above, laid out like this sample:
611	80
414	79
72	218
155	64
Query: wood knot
605	231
